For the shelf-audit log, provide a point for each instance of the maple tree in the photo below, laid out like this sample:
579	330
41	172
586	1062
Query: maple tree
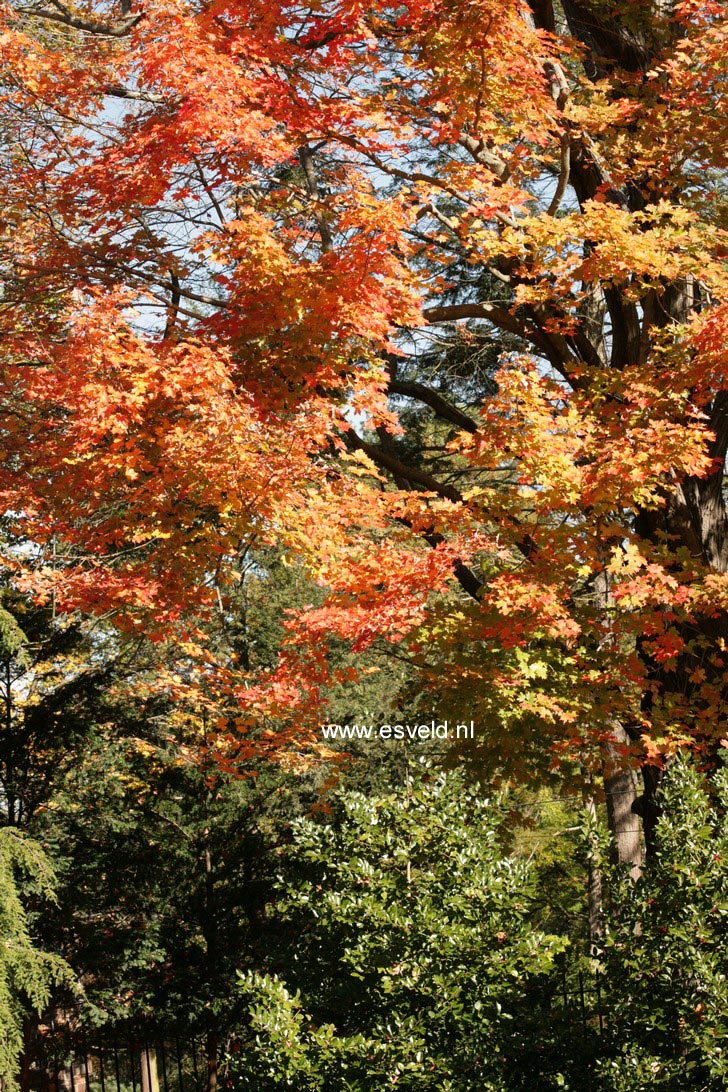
227	231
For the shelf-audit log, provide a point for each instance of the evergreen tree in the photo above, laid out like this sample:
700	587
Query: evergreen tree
27	974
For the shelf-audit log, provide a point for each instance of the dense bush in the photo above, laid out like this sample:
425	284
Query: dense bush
411	958
665	956
411	961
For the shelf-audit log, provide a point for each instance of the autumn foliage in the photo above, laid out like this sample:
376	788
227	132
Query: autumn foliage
229	228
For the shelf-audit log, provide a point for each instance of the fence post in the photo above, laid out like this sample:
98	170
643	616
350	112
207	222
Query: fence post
148	1066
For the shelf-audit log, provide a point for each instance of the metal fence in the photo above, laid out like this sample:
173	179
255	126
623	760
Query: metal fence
117	1064
123	1059
581	997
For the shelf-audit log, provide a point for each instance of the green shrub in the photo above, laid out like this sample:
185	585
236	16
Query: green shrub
666	950
410	961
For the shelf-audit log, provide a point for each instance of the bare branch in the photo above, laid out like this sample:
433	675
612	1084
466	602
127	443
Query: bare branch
106	30
116	91
564	174
173	310
402	470
309	170
500	317
435	401
483	155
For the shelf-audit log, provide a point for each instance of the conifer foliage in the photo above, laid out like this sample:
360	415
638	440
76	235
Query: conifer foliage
27	974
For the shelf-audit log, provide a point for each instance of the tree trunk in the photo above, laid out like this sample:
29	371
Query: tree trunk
24	1074
622	803
595	893
211	1050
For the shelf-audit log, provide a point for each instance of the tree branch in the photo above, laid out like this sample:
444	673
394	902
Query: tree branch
402	470
564	173
106	30
499	316
435	401
306	158
117	91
